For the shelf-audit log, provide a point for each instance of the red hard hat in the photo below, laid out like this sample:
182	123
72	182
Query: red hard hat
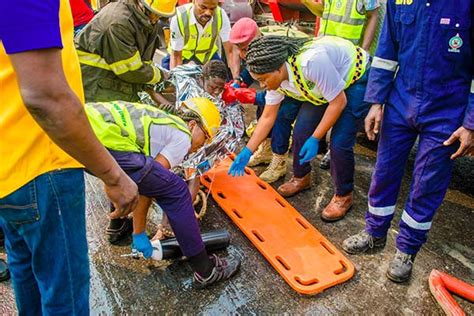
244	30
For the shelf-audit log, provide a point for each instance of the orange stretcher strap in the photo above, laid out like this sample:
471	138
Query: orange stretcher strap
441	284
305	259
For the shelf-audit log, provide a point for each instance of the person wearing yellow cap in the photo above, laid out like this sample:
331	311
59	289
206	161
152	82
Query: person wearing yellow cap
146	142
116	49
212	79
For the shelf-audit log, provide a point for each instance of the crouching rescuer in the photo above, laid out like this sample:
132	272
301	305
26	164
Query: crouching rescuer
146	142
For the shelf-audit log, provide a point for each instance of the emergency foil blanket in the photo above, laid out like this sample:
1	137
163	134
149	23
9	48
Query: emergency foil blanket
185	79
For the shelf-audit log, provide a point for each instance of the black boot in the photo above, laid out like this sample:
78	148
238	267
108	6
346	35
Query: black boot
223	269
400	268
4	273
119	229
325	161
362	242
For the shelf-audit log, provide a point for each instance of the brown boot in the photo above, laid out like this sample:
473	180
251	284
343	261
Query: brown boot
337	208
295	185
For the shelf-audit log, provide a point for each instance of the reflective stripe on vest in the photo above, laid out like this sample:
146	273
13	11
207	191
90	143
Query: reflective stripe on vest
206	47
119	67
305	87
125	126
342	18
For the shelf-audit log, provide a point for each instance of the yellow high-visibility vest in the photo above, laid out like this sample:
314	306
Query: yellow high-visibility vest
305	87
125	126
343	18
206	47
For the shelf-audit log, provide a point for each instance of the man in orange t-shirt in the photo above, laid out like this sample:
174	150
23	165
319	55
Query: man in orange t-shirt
46	140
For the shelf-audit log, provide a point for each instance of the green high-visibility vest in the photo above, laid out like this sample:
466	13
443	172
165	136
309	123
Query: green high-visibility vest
343	18
305	87
125	126
206	47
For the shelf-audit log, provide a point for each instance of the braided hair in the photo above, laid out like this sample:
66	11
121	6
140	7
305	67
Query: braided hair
183	113
214	69
268	53
168	108
188	115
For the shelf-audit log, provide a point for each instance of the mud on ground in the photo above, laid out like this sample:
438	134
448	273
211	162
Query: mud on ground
123	285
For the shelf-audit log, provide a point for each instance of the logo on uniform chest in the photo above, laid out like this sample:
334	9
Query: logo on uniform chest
455	43
403	2
196	36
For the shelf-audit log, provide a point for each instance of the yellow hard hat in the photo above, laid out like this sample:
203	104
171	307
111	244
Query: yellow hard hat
207	111
165	8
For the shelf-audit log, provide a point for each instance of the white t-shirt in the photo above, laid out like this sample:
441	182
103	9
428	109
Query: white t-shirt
327	63
177	40
169	141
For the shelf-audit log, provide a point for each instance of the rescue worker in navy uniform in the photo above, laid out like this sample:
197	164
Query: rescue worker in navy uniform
421	86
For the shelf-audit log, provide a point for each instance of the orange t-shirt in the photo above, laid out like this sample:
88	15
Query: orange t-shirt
26	151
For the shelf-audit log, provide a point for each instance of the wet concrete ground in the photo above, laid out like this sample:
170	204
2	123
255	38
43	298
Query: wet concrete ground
123	285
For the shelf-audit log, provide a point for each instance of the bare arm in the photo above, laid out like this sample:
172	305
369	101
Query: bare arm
331	115
140	214
163	161
315	7
233	60
141	211
264	125
157	97
58	111
370	27
237	58
176	59
193	186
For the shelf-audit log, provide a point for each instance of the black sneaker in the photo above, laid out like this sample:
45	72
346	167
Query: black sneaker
362	242
119	229
400	268
4	273
224	269
326	161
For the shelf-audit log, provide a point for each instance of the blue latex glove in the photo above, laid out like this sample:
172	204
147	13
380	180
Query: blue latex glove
235	85
309	150
142	244
238	166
